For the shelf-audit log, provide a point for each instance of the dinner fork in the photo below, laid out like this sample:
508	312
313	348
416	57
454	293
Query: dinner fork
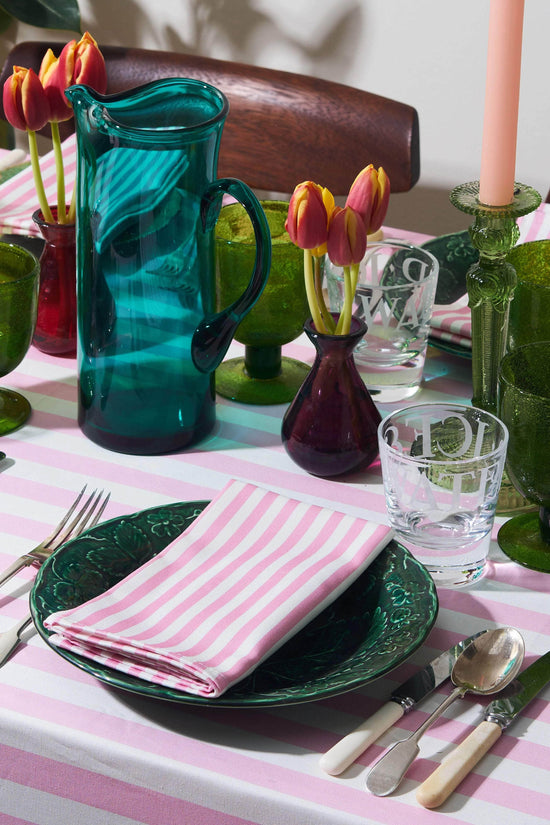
67	528
88	515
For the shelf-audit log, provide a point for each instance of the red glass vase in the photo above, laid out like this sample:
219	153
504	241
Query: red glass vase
55	331
331	426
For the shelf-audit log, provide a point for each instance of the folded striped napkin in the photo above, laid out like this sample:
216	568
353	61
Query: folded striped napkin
251	571
452	323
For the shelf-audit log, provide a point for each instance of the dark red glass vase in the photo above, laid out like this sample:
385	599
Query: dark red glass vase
55	331
330	427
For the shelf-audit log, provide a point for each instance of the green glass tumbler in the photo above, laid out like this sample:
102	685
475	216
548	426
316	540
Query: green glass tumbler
524	407
530	307
262	375
19	280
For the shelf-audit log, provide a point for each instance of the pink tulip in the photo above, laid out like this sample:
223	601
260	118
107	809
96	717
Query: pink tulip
307	218
369	195
25	103
347	237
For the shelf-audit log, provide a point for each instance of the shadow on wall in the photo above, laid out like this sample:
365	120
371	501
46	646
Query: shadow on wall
426	209
298	36
305	38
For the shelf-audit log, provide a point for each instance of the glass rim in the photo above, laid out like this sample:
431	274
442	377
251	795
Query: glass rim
495	453
21	253
509	357
398	244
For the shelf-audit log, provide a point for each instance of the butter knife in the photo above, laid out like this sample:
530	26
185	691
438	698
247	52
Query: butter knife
402	700
499	713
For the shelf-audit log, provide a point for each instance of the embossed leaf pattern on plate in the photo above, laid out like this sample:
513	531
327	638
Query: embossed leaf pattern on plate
371	628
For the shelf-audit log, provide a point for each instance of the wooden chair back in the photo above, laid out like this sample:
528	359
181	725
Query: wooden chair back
282	127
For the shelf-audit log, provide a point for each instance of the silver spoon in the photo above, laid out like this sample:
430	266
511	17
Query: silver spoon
486	666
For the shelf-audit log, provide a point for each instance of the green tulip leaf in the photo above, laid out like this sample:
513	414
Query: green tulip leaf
45	14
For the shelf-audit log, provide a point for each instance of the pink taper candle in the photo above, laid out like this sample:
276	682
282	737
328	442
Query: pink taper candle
500	126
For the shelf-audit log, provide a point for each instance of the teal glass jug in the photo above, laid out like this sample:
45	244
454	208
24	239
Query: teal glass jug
149	338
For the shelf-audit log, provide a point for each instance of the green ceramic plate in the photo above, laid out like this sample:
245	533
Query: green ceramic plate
374	626
455	254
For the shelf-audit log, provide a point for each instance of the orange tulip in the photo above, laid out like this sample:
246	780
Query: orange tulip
25	103
80	62
369	195
307	218
347	237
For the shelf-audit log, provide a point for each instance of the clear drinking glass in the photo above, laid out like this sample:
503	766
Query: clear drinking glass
395	296
442	467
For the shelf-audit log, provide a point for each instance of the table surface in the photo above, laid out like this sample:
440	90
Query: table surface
75	750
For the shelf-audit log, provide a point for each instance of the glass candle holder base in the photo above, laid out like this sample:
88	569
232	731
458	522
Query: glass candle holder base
14	410
520	539
234	381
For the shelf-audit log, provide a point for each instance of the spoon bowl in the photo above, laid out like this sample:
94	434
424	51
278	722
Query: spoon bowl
486	666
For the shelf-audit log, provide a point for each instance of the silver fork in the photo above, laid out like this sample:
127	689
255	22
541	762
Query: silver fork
66	529
88	515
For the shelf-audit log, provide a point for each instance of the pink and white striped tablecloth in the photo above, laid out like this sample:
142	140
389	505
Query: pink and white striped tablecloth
73	750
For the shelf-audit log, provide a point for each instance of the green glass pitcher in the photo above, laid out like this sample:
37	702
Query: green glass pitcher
149	338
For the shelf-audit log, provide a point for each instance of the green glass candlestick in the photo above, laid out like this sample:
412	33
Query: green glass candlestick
491	281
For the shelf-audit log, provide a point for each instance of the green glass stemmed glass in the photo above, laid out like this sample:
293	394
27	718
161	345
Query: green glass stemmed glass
262	375
19	280
524	407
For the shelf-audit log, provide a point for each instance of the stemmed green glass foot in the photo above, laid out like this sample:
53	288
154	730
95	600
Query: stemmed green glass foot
524	406
19	277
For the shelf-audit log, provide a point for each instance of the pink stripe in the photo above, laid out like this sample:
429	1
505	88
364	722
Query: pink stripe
176	488
103	793
296	785
505	614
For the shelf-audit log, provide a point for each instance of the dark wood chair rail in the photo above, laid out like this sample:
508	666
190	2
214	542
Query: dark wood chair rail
282	127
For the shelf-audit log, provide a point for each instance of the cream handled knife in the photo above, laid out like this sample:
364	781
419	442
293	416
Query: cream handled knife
499	713
405	697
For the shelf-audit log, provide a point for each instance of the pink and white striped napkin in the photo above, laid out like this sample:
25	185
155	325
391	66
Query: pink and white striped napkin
251	571
452	323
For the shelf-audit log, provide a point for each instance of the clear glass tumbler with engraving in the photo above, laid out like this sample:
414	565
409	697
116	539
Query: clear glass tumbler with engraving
394	296
442	468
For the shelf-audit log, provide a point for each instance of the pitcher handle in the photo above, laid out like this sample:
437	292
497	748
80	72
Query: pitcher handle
214	334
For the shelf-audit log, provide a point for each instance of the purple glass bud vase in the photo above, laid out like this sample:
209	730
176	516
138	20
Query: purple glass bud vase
331	426
55	331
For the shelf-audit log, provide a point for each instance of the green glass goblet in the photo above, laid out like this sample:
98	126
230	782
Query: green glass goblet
19	279
524	407
263	375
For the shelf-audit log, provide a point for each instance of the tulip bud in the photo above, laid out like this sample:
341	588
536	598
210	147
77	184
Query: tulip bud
25	103
80	62
347	237
54	86
369	196
307	218
328	200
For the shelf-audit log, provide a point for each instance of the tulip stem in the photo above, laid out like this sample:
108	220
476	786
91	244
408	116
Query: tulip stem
37	175
60	173
310	292
344	322
327	317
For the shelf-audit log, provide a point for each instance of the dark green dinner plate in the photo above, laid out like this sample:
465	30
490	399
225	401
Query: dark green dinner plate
455	254
369	630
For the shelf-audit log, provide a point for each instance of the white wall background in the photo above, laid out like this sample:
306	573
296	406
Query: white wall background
429	53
